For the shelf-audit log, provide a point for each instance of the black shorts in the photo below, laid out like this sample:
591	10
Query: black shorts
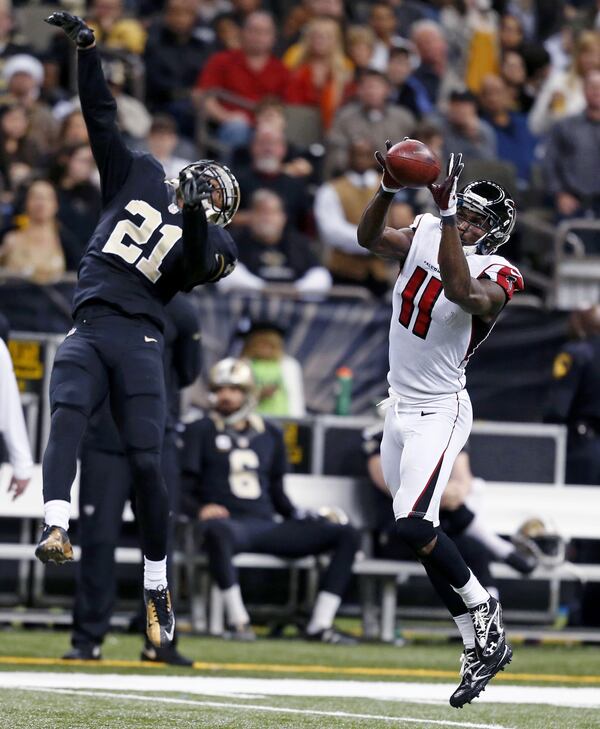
109	355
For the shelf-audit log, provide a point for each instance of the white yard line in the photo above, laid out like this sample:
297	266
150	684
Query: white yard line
417	692
268	709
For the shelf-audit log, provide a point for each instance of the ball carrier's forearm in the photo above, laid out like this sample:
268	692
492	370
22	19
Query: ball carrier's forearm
372	223
456	276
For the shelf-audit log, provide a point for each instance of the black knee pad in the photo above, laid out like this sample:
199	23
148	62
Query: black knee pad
145	466
415	531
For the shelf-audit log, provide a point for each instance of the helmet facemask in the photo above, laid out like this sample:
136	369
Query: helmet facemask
225	200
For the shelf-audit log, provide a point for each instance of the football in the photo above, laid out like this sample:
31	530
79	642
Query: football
412	164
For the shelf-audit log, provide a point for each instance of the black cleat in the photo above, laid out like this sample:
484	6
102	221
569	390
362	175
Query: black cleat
169	655
160	619
331	636
242	632
54	546
475	676
83	653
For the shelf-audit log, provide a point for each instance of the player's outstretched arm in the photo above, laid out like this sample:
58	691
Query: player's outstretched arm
206	257
98	106
481	297
373	233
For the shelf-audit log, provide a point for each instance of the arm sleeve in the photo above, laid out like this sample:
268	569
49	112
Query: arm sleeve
12	421
334	229
209	252
100	113
567	370
279	498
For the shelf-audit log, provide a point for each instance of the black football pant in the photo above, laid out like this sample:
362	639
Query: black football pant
105	486
223	538
107	354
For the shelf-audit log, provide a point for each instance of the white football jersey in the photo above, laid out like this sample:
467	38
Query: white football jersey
431	339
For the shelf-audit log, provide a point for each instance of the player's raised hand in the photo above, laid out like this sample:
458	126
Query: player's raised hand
193	188
388	183
445	194
75	27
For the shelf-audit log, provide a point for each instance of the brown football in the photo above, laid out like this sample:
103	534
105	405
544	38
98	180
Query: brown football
412	164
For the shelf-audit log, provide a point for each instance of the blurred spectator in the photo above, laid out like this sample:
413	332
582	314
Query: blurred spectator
464	131
267	170
132	116
575	397
301	14
228	33
482	56
409	12
382	21
277	375
51	92
241	9
250	73
406	90
35	250
562	93
297	162
514	141
162	144
434	71
113	30
11	42
79	200
16	146
511	34
73	129
209	10
338	207
272	252
322	72
514	75
572	157
175	51
12	426
360	45
24	75
371	117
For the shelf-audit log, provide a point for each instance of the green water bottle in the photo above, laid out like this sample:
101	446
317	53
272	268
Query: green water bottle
343	391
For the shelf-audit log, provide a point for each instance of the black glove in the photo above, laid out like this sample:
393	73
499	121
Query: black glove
194	188
74	27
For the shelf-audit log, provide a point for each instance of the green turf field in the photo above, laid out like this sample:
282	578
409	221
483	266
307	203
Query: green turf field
287	683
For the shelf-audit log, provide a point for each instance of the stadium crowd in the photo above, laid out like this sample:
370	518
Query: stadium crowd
296	97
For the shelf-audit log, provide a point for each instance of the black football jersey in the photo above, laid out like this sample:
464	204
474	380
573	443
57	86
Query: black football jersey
134	259
240	470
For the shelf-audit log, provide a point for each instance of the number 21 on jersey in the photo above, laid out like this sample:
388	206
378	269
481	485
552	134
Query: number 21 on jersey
140	235
425	304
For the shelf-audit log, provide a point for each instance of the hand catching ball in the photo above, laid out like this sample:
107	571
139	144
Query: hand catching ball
412	164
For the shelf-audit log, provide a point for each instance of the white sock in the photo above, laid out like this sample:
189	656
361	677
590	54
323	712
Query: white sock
472	592
234	606
155	573
57	512
499	547
326	606
465	627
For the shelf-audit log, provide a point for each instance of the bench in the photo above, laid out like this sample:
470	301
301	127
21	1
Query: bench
505	507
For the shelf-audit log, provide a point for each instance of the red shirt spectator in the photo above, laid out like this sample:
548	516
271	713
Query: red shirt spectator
251	72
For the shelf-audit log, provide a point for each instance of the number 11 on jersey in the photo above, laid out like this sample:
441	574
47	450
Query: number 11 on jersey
425	305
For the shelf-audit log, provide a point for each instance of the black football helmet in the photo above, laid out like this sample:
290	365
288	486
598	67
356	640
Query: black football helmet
493	202
222	205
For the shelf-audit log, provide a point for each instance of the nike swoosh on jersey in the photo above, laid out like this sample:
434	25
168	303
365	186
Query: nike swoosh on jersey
150	339
423	414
